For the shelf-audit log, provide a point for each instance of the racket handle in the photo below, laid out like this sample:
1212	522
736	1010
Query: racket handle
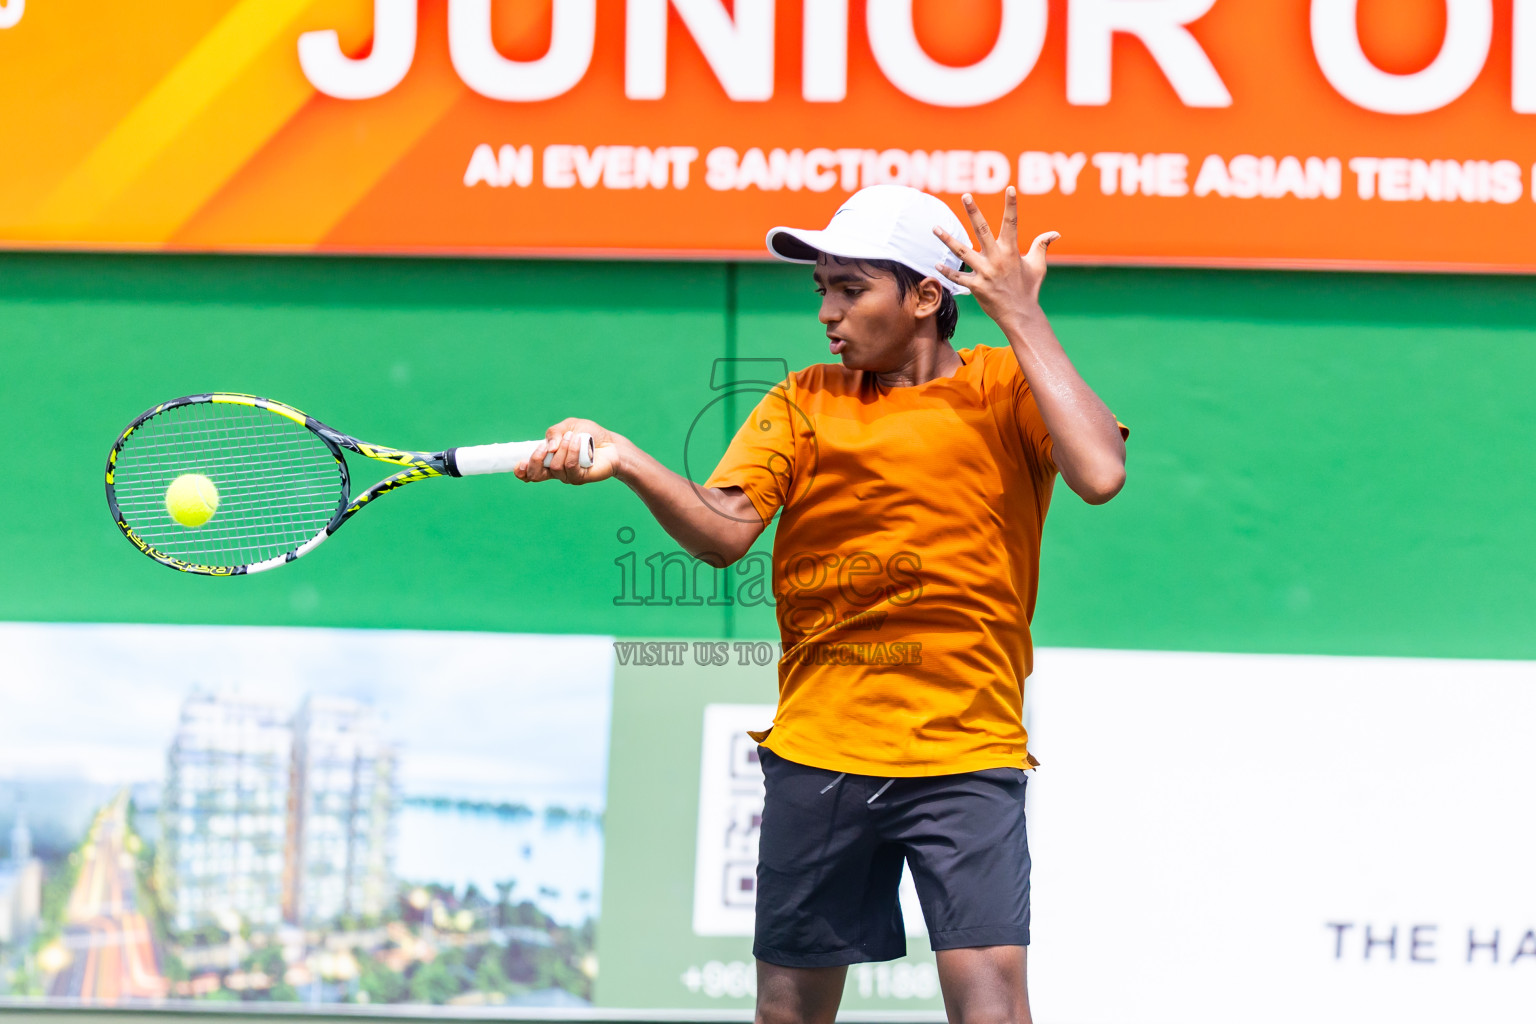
480	459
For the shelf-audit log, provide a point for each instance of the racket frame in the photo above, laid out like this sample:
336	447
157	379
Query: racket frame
415	466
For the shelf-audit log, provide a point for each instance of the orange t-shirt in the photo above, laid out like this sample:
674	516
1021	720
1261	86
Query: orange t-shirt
905	562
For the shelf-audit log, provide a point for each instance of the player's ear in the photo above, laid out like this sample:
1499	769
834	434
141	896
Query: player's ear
930	295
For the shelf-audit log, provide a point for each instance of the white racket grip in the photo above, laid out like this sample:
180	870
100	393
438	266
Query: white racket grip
481	459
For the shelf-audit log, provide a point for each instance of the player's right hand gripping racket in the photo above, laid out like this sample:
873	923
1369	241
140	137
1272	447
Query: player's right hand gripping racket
279	481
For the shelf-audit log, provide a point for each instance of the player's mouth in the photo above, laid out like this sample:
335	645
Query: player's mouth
837	344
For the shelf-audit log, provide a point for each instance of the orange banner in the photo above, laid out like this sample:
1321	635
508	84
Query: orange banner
1366	133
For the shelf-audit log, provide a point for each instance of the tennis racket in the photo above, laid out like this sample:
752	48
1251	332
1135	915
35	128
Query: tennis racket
282	482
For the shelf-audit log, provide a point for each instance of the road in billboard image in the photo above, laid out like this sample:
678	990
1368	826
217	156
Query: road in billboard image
300	815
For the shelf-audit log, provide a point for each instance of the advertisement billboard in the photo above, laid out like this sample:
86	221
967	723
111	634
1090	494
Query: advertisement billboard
1343	835
281	816
1263	133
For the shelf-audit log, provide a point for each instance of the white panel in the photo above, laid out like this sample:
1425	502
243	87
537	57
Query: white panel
1200	820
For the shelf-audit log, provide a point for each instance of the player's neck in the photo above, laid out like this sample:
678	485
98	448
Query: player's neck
928	359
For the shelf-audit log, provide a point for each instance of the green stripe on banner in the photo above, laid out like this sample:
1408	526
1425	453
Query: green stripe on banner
1319	463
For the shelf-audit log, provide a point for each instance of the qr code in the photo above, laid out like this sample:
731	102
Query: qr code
730	818
744	820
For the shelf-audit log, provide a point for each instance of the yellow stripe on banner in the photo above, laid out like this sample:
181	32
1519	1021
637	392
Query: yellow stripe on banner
323	163
231	51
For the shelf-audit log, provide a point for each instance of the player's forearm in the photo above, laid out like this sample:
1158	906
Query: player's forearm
1086	441
709	524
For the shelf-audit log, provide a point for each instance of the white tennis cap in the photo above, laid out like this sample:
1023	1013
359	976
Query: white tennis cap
881	222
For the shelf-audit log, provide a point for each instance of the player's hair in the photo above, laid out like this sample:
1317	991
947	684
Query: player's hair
907	280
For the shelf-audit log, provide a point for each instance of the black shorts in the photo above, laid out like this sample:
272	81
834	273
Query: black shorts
830	855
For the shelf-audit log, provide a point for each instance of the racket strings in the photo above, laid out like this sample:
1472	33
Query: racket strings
279	484
235	532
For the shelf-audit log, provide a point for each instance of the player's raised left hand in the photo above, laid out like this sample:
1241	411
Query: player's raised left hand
1005	281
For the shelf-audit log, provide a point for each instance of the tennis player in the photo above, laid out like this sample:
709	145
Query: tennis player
911	483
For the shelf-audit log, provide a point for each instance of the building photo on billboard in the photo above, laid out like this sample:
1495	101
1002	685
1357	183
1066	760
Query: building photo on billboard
294	818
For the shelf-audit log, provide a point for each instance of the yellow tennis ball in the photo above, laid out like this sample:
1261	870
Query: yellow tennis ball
192	499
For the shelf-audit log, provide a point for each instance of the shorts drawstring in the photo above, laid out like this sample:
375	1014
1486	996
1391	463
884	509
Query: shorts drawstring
843	775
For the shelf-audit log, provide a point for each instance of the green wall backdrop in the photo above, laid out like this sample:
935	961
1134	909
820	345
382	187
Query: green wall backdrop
1319	462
